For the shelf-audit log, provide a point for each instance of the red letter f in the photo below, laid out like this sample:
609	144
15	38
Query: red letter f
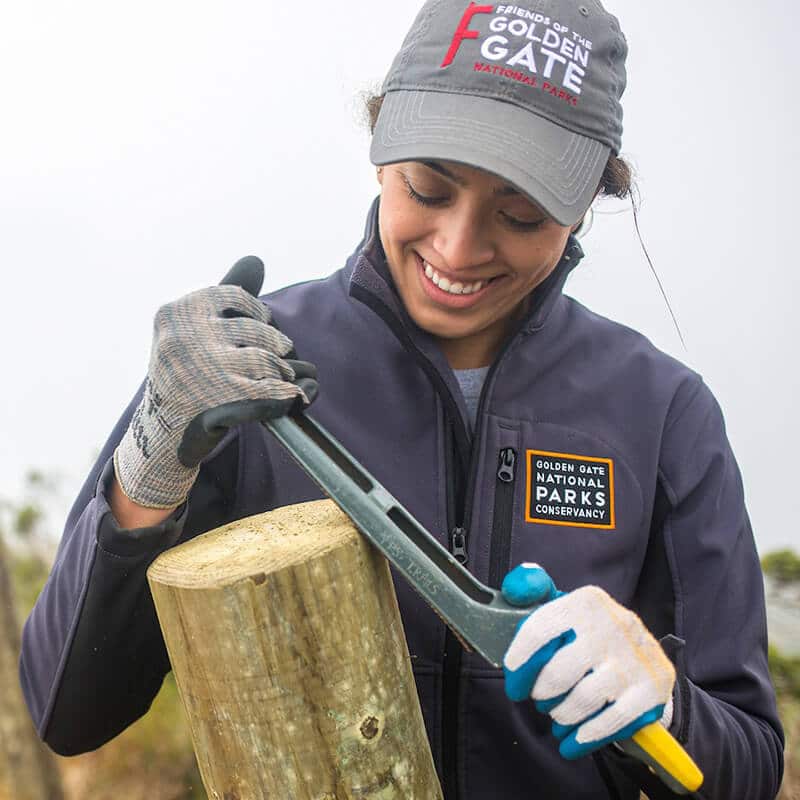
463	32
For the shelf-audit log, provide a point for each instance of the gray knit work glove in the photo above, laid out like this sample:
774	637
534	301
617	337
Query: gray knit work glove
216	361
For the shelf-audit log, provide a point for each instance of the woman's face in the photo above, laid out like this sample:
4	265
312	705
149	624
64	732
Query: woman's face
465	249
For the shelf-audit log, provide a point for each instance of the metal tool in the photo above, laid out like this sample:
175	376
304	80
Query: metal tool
477	614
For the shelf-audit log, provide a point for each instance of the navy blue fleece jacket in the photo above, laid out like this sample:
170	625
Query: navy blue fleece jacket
662	528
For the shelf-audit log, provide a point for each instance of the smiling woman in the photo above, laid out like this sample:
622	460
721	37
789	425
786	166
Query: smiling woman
465	250
446	358
470	339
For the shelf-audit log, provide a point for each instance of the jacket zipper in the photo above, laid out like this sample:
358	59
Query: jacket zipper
451	666
459	526
457	458
461	471
500	549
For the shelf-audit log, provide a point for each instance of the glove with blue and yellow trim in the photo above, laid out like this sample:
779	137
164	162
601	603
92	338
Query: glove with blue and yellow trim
587	661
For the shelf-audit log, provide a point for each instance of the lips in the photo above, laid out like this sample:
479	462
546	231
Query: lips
445	291
454	287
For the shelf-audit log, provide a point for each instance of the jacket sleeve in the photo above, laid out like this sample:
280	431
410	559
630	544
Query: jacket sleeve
702	592
93	657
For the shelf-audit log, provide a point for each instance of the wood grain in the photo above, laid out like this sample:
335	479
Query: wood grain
285	637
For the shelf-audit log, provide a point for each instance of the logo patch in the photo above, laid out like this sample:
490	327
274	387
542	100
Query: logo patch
527	47
567	489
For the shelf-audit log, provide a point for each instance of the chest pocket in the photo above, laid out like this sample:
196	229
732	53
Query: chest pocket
559	497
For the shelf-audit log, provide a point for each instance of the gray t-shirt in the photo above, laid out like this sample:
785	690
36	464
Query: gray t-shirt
471	383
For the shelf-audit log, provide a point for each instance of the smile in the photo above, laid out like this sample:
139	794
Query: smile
456	287
446	292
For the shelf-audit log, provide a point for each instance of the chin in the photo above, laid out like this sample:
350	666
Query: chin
444	329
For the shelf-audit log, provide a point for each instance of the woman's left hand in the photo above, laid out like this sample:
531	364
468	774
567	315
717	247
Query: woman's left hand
587	661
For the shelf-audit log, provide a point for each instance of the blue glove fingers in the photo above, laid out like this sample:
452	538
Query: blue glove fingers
571	749
546	706
527	584
519	682
562	731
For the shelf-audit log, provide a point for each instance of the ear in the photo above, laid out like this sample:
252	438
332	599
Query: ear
379	174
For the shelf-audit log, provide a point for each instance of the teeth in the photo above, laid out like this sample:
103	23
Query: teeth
451	288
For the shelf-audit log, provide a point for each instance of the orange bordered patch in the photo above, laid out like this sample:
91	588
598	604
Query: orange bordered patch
569	489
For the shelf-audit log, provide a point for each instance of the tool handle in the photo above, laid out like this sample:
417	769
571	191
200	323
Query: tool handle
655	746
477	613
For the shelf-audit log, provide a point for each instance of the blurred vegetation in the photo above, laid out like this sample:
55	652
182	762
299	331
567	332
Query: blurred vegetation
789	711
153	759
28	574
783	566
785	673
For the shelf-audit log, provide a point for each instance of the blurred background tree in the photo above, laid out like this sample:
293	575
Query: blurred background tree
783	566
152	760
28	769
782	580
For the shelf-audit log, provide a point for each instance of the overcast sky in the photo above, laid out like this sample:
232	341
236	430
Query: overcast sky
145	147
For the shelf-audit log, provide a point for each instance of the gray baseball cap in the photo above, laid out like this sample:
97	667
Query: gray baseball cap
530	93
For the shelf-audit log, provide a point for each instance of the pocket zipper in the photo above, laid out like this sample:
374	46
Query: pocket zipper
502	519
458	545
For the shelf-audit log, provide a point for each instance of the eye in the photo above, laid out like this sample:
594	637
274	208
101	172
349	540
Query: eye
422	199
522	225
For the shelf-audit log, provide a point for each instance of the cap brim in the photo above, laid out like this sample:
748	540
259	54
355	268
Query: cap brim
558	169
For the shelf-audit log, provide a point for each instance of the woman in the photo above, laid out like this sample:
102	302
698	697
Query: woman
511	421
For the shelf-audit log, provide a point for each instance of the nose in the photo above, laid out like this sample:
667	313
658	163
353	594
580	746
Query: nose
463	239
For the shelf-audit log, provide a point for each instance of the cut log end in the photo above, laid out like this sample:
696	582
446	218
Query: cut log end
285	638
254	547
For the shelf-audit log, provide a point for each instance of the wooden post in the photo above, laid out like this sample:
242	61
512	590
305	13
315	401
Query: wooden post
285	638
27	768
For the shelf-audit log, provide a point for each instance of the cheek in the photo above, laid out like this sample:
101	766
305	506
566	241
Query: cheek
388	222
399	226
393	239
539	257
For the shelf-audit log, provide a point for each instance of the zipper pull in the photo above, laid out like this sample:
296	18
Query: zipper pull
508	460
458	545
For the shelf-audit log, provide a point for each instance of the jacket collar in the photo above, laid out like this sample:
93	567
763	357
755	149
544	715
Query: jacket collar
371	274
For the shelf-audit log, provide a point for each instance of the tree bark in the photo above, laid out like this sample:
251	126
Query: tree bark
27	768
285	638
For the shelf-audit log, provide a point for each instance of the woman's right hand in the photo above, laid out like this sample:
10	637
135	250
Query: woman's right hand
216	361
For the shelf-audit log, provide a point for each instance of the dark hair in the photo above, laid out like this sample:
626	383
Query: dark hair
617	179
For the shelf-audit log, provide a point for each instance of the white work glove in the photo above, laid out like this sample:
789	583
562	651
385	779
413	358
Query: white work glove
587	661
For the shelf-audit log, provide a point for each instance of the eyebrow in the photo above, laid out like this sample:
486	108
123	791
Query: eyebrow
503	191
